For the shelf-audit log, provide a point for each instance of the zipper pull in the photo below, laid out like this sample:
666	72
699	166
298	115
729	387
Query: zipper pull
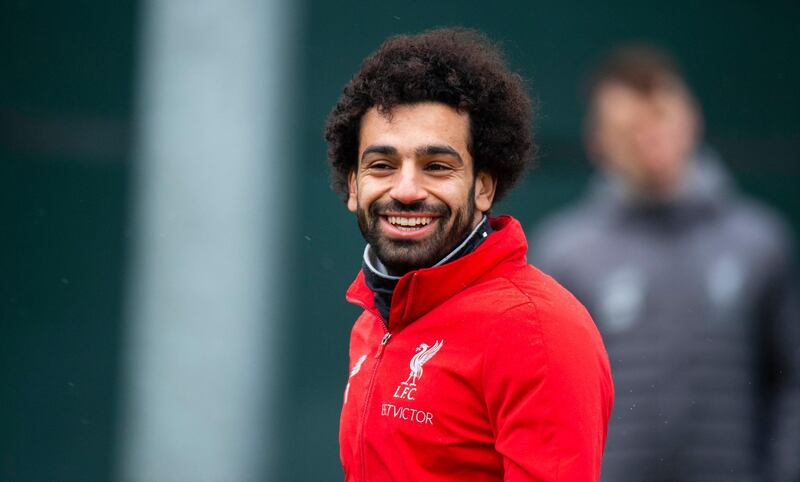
384	341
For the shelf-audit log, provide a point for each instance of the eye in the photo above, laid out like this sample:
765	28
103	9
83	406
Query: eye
437	167
380	165
380	168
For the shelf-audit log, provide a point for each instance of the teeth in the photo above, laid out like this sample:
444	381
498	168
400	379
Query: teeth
404	221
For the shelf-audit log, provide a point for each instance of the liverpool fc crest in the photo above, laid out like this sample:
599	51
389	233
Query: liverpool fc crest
407	389
424	353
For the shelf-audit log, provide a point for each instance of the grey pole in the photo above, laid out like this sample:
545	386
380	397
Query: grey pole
204	293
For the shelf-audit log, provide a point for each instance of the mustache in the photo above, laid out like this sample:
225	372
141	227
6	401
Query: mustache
418	207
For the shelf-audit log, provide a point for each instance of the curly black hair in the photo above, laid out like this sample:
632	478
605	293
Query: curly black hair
457	67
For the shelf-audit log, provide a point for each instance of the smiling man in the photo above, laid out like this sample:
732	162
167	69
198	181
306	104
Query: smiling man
415	191
467	363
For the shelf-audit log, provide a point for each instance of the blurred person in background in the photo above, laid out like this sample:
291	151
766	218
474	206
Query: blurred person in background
692	286
466	363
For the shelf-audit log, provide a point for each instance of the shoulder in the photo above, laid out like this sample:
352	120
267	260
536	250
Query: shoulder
760	228
575	218
528	304
565	232
759	221
549	345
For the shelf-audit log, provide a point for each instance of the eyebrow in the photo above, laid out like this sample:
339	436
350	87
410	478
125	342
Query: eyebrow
436	149
422	151
378	149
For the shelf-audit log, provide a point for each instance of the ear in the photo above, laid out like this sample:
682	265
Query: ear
591	139
352	187
485	186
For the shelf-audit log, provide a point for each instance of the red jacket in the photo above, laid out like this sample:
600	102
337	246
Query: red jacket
489	370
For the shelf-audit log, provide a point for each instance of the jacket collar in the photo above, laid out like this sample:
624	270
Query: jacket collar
422	290
703	191
378	279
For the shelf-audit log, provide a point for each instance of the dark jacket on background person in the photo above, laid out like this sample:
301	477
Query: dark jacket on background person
697	303
486	370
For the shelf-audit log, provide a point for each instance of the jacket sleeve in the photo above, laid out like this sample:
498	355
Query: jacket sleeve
781	310
549	393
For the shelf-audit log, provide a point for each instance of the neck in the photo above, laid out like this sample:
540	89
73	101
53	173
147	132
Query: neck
382	282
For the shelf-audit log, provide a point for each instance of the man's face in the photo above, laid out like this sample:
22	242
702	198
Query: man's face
645	139
414	190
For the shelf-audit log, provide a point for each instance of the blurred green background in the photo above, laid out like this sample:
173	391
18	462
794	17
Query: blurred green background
67	103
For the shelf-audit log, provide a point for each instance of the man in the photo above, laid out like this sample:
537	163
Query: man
690	284
467	363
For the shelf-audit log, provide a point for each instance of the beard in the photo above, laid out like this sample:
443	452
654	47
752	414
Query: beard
403	255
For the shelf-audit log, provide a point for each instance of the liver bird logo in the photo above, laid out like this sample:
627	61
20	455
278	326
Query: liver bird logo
424	353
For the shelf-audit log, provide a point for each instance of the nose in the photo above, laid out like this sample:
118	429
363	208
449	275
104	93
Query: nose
651	138
407	185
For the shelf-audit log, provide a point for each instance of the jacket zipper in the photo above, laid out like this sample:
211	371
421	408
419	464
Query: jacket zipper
362	442
384	341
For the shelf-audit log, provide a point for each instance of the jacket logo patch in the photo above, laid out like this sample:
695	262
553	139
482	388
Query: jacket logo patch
622	299
356	368
724	283
408	388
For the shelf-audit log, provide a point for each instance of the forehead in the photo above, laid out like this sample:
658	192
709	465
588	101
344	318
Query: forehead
413	125
615	101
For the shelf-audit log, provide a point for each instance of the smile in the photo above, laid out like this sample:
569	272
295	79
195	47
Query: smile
410	222
408	227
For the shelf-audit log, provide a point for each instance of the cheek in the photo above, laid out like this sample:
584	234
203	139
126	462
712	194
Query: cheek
612	140
458	199
367	193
